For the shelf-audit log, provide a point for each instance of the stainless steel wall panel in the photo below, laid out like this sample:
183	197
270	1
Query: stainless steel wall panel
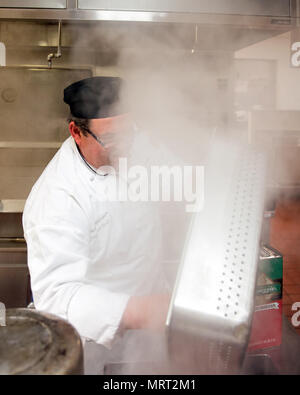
32	96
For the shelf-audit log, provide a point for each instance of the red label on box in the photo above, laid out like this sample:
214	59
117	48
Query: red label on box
266	326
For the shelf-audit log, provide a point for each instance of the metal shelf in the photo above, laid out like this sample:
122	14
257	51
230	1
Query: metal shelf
12	205
30	144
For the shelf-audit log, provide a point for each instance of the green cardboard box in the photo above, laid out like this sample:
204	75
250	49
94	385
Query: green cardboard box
267	320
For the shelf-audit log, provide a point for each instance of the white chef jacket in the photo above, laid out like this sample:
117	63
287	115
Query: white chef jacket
87	256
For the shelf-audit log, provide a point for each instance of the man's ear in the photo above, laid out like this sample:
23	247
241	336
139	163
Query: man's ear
75	132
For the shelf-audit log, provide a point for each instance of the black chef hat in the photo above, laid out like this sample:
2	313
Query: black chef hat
95	97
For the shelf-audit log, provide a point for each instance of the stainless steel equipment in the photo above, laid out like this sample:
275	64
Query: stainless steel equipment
254	13
14	274
38	343
255	7
211	310
33	3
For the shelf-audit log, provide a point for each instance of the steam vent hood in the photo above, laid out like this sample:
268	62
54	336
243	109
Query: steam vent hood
226	25
177	11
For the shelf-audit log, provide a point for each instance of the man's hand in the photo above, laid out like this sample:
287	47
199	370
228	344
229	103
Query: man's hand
146	312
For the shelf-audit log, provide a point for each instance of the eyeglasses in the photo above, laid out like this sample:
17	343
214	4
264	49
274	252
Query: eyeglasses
95	137
106	140
109	139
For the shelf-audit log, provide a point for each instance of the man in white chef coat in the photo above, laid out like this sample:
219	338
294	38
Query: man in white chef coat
93	262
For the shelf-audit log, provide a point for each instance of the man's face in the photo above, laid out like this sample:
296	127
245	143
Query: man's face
111	140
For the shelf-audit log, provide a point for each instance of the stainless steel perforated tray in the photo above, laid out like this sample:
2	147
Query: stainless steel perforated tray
211	310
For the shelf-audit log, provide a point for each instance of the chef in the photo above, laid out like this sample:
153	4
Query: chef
92	261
